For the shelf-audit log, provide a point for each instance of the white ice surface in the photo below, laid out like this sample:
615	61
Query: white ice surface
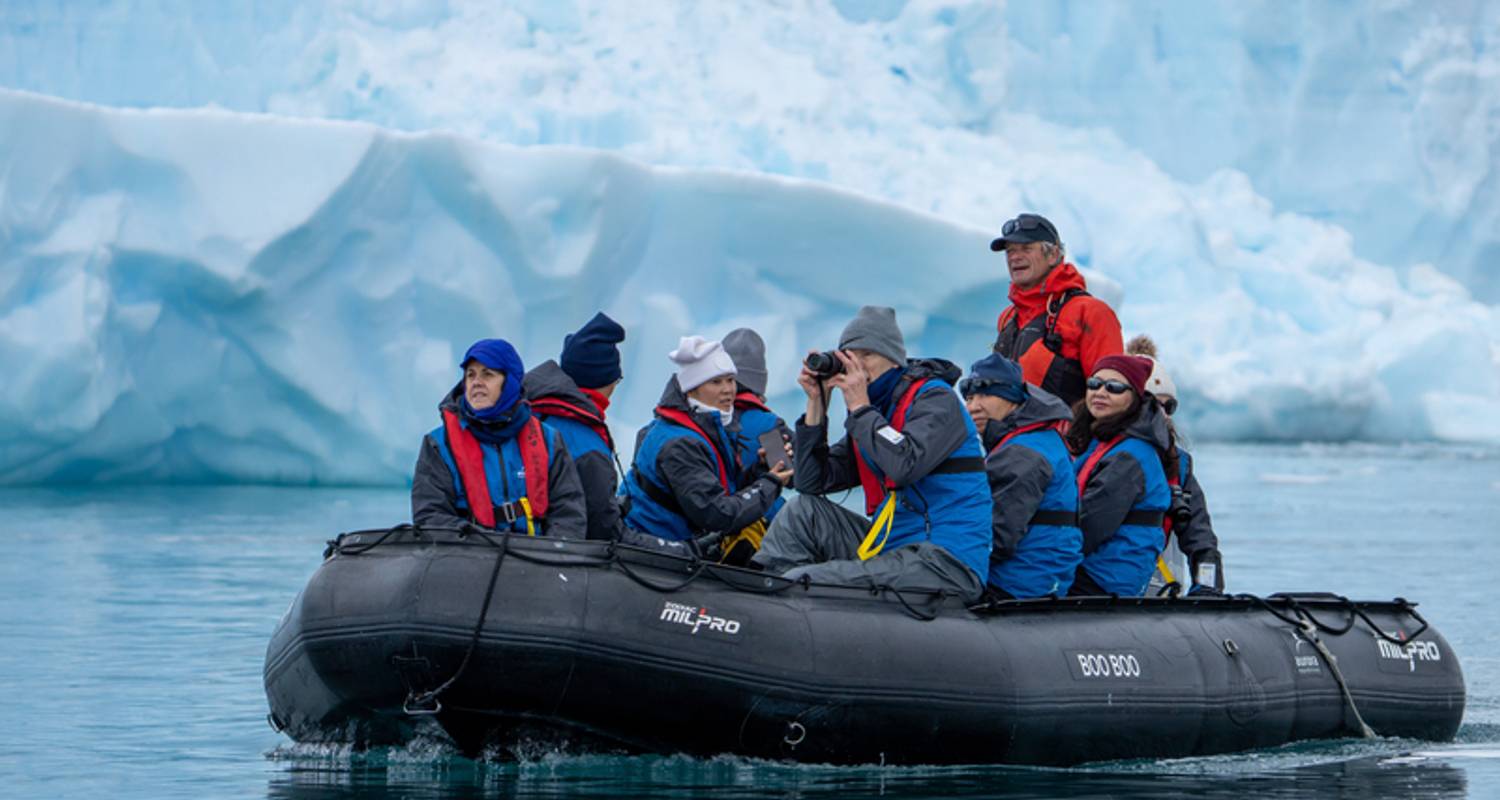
202	295
1379	117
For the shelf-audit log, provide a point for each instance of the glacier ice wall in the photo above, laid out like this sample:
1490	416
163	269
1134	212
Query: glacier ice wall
1376	117
206	295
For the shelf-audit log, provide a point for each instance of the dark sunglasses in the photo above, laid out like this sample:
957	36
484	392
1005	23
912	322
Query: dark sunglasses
968	387
1113	387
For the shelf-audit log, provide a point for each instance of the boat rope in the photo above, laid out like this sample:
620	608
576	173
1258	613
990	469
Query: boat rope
924	616
336	545
1310	626
1284	607
427	702
1301	614
1310	632
695	569
696	566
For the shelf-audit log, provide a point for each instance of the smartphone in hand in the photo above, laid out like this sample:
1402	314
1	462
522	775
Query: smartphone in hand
775	446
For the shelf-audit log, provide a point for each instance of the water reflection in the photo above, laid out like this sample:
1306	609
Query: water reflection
1428	775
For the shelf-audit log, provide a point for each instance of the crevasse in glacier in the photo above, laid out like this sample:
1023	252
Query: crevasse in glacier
202	295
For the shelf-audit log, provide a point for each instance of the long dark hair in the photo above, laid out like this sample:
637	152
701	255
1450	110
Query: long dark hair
1086	428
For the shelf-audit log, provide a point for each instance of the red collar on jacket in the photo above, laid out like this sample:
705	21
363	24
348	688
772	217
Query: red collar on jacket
600	401
1033	301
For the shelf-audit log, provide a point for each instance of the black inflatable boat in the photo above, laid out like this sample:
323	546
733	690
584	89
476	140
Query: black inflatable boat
494	638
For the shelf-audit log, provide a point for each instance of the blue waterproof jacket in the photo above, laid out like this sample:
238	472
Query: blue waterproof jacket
673	487
1037	543
935	461
1122	505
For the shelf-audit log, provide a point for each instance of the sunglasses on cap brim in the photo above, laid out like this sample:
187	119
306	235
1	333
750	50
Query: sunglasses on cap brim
1023	224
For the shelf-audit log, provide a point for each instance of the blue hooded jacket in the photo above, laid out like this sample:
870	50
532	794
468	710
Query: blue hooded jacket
1032	472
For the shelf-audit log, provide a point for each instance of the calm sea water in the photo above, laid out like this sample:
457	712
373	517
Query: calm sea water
133	624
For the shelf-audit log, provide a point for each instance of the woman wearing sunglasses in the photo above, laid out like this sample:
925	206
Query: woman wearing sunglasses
1125	451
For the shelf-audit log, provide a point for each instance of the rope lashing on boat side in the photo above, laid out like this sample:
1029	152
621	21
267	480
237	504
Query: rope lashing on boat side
697	567
1301	613
1310	633
427	702
1309	626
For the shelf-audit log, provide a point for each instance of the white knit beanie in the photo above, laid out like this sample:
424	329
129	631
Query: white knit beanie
1160	383
699	361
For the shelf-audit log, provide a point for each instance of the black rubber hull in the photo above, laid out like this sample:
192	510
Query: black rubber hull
575	649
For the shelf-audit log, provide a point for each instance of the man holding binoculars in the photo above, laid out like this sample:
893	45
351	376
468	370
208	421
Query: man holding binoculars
911	446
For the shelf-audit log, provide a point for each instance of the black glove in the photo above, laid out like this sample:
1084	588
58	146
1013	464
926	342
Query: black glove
1207	573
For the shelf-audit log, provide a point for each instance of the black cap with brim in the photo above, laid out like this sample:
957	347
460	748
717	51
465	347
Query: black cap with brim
1039	229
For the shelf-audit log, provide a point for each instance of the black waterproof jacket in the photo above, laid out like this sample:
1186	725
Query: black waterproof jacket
1196	539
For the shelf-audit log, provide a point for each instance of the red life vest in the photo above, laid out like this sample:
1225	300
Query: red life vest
1056	425
558	407
1093	460
468	455
1099	452
875	489
680	417
746	401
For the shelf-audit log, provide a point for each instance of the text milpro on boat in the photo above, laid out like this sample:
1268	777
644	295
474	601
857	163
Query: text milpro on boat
495	637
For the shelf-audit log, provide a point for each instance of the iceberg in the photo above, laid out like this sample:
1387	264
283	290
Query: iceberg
1375	117
206	295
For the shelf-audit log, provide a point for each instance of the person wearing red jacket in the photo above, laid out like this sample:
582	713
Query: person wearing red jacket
1053	327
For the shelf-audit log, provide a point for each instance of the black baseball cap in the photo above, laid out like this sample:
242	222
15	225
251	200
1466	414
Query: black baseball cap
1025	229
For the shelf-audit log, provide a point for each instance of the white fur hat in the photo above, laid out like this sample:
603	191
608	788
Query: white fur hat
1160	383
699	361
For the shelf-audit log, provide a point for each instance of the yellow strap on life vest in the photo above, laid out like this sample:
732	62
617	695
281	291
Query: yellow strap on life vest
530	526
875	539
1166	573
754	533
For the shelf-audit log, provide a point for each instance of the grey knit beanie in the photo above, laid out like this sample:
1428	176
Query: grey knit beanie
874	329
749	353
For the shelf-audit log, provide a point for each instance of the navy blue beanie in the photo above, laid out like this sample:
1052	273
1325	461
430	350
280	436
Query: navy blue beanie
997	375
589	356
497	354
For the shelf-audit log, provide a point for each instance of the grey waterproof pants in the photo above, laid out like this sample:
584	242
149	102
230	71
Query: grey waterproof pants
814	537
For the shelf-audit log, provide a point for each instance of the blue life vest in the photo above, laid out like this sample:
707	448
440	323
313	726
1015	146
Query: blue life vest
504	471
646	513
1047	557
1125	562
949	509
753	423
